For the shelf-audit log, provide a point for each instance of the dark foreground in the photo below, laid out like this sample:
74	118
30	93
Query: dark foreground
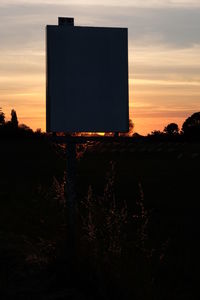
137	225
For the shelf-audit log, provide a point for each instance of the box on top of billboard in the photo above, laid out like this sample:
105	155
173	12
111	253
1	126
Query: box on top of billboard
87	78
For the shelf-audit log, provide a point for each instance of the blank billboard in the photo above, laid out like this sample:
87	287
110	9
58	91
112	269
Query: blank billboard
87	79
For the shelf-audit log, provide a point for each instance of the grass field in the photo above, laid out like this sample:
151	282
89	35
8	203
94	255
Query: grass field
138	205
165	176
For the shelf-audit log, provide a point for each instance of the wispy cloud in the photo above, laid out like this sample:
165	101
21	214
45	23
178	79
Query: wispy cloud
24	24
130	3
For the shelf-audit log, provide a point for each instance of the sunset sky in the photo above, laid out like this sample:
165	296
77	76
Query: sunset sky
164	55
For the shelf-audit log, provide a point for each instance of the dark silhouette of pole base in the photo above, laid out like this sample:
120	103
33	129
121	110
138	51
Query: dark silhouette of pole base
71	207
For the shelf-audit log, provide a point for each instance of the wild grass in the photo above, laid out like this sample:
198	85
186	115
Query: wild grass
116	247
138	225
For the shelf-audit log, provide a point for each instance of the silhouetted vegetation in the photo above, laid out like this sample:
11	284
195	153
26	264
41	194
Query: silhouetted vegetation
2	117
171	129
131	129
191	126
12	128
14	120
139	223
190	131
129	133
137	204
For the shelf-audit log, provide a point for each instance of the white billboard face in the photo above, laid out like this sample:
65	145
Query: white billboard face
87	79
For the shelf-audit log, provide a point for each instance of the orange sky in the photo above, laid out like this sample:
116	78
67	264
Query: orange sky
164	60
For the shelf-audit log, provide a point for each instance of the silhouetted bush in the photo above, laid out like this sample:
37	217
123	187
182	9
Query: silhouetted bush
191	126
2	117
12	129
171	129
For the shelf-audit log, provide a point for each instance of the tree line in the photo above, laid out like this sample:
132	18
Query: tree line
189	130
13	121
12	128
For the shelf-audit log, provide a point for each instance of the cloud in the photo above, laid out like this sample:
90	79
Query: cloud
24	25
130	3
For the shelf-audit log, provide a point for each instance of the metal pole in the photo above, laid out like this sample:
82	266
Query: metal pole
70	193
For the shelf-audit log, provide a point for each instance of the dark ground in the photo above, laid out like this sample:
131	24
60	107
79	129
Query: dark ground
149	253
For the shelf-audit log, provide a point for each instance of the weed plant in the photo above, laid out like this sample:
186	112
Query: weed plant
118	254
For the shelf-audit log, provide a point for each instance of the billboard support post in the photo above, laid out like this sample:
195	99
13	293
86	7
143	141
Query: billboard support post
70	196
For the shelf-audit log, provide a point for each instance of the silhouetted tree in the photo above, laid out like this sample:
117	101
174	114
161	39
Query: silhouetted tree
171	129
131	129
38	131
191	126
129	133
156	133
14	120
24	127
2	117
